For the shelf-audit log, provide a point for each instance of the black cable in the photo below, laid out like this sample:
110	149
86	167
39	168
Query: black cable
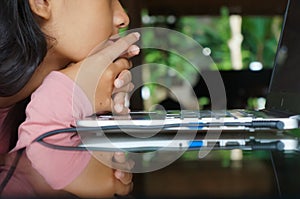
192	125
276	175
40	139
253	124
11	170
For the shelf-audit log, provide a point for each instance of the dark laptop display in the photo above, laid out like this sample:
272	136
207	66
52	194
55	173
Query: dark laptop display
284	92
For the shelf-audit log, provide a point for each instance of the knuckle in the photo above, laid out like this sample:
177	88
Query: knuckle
128	75
125	42
131	87
107	56
123	62
128	179
109	74
119	99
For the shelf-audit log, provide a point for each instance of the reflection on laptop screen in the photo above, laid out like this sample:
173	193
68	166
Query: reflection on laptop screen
285	86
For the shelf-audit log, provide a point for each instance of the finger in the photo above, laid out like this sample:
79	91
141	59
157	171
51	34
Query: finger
119	157
121	98
104	157
114	161
121	109
131	52
125	166
124	177
123	63
119	47
123	190
125	89
117	73
123	78
101	46
121	103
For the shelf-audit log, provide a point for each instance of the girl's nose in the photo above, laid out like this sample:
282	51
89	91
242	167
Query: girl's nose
121	19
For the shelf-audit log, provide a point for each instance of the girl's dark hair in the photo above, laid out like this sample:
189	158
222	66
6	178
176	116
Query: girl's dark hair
23	47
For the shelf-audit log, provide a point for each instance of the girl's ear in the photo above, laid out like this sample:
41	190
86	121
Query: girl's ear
41	8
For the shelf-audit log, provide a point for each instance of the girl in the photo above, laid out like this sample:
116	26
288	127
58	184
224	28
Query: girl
44	48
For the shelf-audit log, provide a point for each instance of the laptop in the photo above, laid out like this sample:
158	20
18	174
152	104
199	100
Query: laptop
230	129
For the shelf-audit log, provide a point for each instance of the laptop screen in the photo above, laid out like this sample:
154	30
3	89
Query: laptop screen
284	92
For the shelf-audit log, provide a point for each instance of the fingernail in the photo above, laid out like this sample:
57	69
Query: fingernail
134	49
119	83
138	35
118	108
119	174
119	153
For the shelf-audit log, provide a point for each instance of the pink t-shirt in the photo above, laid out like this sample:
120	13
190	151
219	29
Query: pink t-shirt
56	104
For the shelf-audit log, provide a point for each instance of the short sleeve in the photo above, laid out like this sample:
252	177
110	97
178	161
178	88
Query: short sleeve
56	104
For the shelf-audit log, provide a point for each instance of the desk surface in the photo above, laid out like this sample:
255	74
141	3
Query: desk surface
257	174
